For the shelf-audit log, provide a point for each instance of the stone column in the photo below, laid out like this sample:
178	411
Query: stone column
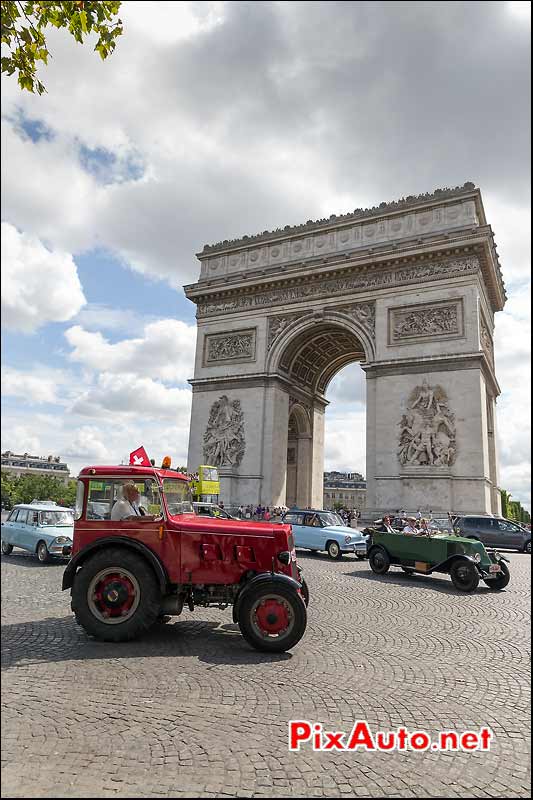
317	465
418	478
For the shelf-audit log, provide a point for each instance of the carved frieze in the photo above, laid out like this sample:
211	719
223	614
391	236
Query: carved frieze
443	320
276	326
224	441
235	346
486	340
427	429
353	281
364	314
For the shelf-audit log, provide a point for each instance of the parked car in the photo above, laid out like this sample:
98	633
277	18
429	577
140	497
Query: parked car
42	528
495	531
324	530
465	560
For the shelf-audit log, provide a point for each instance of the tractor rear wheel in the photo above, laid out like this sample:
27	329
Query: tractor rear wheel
115	595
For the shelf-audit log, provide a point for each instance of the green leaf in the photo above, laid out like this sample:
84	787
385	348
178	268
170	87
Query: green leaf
83	21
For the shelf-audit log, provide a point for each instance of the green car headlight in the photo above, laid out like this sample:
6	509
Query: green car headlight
477	558
496	556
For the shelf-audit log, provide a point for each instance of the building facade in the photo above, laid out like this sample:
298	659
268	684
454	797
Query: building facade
25	464
344	489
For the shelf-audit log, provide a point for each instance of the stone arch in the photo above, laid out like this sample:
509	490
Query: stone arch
357	344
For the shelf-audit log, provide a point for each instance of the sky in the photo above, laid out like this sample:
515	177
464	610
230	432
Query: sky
213	120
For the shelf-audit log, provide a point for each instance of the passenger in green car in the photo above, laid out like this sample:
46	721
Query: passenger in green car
411	528
385	525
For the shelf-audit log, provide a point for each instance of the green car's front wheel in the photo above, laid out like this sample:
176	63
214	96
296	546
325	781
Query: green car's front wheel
464	575
500	582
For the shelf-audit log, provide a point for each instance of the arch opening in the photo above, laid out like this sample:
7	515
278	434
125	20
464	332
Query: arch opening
314	356
310	360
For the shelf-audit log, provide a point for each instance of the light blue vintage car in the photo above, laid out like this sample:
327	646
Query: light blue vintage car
42	528
325	530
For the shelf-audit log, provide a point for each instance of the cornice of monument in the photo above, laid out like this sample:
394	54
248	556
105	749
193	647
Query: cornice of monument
429	220
358	215
474	240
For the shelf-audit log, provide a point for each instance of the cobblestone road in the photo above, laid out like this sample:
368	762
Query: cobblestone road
191	710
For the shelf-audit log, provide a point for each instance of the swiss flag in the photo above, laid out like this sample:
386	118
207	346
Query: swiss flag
139	458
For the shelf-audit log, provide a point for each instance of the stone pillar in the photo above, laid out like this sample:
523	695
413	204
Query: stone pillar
450	414
274	434
496	500
241	481
304	470
317	465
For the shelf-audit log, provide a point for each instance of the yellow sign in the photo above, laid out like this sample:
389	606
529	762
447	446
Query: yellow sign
208	487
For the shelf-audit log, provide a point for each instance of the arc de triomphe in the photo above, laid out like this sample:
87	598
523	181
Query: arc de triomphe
409	289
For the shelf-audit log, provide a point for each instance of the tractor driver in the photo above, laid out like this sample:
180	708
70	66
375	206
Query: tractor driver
127	507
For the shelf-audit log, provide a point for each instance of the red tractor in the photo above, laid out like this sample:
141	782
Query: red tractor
140	553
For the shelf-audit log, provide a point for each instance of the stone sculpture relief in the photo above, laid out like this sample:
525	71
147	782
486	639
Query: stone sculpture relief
427	430
276	326
433	320
236	345
364	314
224	442
351	282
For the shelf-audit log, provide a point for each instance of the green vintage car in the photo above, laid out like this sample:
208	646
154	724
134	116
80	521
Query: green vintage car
466	560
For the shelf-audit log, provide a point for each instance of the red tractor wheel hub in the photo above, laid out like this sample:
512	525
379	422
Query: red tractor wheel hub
114	595
272	616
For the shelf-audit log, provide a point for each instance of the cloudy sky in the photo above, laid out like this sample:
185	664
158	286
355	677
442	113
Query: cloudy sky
213	120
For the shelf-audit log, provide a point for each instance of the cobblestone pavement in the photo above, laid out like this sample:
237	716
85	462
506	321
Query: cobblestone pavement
191	710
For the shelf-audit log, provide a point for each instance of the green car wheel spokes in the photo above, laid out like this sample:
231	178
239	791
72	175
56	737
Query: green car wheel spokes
464	575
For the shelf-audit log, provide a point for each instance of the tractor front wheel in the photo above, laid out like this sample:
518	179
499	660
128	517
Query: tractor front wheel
272	617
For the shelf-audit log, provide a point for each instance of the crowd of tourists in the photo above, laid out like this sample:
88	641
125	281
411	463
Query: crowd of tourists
259	512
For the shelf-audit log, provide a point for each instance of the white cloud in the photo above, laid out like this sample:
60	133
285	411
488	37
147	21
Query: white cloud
345	442
132	395
35	387
166	351
96	316
38	285
21	439
87	443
